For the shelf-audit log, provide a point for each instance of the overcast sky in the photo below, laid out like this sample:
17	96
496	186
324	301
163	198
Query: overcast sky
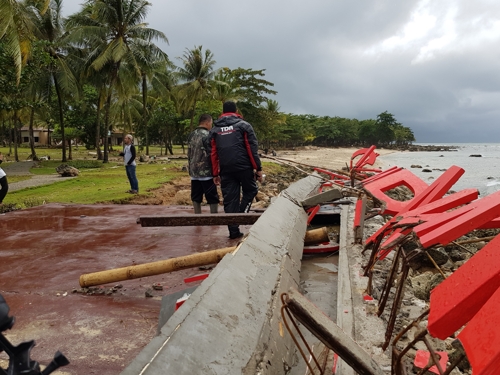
435	65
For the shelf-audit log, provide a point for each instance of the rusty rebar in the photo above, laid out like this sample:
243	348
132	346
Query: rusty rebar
284	307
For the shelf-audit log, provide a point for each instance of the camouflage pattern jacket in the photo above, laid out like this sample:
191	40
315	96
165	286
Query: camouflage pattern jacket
199	164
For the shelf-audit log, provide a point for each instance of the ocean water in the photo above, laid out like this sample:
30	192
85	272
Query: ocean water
482	173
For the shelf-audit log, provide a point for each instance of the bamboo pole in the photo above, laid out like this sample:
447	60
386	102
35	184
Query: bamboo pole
154	268
316	236
489	238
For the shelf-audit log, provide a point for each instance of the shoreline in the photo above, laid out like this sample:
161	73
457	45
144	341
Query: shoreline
329	158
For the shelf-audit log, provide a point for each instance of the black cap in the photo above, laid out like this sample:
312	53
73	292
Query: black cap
229	107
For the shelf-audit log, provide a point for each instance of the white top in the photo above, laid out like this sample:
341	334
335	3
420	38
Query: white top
128	155
2	173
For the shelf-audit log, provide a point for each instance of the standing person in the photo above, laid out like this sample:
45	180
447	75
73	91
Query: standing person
200	167
235	162
129	161
4	185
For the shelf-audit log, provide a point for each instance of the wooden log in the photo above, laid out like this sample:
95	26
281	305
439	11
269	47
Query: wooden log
330	334
316	236
154	268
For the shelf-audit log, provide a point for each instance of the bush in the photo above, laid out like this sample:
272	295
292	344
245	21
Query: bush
80	164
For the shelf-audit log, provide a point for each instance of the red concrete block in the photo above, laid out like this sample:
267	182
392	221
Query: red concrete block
321	248
383	174
481	338
196	278
312	212
422	202
368	156
358	212
423	357
457	299
401	178
465	219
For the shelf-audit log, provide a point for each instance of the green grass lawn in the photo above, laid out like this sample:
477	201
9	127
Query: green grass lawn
98	185
97	182
78	153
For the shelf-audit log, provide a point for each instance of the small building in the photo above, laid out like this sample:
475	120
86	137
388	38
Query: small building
40	135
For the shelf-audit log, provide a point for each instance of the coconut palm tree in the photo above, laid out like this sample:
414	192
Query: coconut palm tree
152	68
16	29
50	28
197	71
114	33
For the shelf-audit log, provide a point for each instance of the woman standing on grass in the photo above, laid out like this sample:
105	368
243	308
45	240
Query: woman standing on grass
4	185
129	161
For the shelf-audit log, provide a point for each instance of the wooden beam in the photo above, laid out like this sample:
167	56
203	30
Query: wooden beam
195	220
330	334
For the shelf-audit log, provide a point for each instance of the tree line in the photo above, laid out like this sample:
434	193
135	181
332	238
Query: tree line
100	70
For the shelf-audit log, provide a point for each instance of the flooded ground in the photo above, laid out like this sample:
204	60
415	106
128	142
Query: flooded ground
45	249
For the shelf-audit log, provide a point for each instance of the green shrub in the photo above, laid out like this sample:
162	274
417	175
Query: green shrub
80	164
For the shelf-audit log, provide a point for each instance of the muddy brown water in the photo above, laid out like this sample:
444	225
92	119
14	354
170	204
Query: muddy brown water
45	249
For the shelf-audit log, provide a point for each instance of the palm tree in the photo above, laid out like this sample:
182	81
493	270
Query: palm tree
16	29
50	29
197	72
114	33
151	66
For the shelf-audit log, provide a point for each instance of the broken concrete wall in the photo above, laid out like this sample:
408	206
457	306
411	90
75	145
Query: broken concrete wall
232	323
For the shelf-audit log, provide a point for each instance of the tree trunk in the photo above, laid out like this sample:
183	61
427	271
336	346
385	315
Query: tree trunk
70	152
145	111
11	135
32	138
106	127
98	127
16	155
61	116
191	128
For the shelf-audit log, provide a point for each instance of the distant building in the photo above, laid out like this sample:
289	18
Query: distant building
40	135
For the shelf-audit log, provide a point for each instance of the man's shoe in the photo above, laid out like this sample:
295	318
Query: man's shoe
134	192
234	236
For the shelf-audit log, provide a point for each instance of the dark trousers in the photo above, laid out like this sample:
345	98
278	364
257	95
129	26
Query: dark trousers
238	191
207	188
4	188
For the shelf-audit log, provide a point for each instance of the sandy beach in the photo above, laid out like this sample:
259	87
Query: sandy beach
323	157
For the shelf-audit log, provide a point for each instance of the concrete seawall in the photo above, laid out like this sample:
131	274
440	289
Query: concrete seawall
231	324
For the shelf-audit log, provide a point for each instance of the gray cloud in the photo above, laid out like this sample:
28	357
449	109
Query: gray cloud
433	65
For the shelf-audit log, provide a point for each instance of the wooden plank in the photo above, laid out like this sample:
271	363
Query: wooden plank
330	334
200	219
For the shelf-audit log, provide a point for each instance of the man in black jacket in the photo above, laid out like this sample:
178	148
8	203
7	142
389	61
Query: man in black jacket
235	162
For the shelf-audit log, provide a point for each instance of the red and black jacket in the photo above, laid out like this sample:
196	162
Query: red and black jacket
233	145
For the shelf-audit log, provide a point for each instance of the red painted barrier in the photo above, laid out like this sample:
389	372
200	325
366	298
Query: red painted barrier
481	338
465	219
432	193
401	178
196	278
457	299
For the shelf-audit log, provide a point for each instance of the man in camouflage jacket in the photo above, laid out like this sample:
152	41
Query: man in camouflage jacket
200	167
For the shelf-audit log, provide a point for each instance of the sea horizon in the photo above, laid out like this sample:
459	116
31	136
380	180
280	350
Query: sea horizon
481	162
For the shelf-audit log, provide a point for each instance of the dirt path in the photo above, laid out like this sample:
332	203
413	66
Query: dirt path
22	168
